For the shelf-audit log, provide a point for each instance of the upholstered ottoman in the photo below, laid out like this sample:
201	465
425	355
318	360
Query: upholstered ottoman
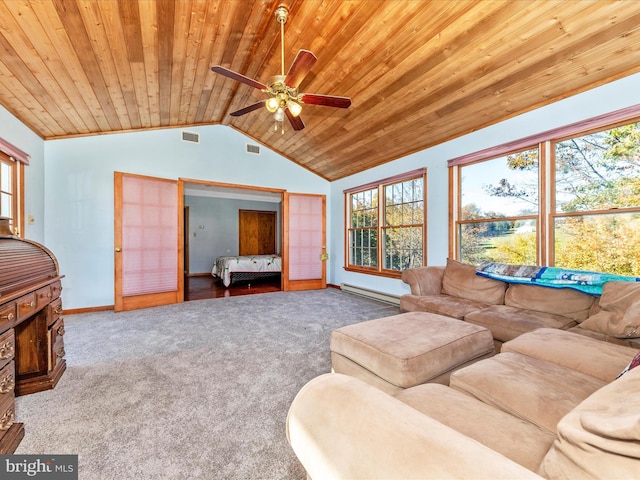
398	352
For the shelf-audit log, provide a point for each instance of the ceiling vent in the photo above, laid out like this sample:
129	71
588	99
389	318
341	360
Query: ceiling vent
191	137
255	149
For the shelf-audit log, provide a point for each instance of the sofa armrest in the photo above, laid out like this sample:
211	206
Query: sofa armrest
424	280
340	427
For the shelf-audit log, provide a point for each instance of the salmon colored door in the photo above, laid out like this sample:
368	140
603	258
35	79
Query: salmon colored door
304	249
148	253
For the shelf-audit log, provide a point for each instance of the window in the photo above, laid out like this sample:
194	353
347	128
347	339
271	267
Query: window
386	225
581	209
498	217
10	200
596	215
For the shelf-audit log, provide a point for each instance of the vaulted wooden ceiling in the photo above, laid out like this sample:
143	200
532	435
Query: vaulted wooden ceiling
419	72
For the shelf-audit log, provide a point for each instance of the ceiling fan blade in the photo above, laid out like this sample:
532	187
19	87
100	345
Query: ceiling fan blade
296	122
249	109
239	77
327	100
300	67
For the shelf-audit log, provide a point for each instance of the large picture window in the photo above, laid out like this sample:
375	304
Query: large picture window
580	209
386	225
596	215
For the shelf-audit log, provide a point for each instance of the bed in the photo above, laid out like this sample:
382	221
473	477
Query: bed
249	267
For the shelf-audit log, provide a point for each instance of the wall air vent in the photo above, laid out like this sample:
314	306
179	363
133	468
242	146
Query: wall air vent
255	149
190	137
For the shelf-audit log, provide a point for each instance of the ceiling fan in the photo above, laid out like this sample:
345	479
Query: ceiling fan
284	98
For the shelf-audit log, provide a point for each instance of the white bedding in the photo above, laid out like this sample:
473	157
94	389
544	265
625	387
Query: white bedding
225	266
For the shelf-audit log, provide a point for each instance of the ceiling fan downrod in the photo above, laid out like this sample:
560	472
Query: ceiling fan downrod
282	13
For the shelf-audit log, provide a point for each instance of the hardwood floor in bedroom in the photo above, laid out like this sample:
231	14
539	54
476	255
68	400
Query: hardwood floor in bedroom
199	288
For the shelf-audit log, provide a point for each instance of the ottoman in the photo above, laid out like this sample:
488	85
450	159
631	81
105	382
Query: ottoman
398	352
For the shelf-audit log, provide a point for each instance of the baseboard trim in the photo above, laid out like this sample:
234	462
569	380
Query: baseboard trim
204	274
73	311
366	292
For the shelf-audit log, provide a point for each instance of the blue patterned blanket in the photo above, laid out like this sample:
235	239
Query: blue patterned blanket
554	277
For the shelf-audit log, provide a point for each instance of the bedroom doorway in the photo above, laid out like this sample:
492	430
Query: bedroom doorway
229	220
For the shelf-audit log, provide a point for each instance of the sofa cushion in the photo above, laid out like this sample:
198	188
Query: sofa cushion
600	438
455	307
619	314
460	280
506	322
517	439
627	342
577	352
538	391
561	301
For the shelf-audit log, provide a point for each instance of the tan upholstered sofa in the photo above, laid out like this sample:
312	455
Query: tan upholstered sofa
509	309
549	405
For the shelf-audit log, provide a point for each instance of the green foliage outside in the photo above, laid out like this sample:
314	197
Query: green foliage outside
596	172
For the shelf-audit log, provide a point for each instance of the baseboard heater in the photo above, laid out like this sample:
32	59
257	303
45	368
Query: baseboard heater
365	292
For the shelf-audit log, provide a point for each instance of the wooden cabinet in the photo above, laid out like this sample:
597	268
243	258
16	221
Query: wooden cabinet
257	232
31	329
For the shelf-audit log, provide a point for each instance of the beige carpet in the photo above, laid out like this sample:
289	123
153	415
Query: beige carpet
198	390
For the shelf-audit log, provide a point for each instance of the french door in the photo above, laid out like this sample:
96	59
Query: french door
147	232
304	241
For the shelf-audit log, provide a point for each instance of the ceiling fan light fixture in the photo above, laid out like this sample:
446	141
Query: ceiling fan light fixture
272	104
294	108
279	115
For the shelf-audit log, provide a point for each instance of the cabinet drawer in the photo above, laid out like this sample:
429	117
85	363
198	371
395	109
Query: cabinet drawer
7	347
56	341
26	305
7	412
56	289
55	310
7	316
7	380
43	296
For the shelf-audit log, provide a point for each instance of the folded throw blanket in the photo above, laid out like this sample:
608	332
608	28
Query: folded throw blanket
554	277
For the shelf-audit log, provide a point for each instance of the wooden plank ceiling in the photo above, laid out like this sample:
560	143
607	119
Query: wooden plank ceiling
419	72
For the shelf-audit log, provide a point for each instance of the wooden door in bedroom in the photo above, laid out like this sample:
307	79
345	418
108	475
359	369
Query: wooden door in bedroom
147	235
304	242
257	232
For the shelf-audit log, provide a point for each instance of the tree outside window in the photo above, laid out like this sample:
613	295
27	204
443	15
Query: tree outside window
596	221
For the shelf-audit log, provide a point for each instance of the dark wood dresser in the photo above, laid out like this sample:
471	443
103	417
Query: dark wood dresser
31	328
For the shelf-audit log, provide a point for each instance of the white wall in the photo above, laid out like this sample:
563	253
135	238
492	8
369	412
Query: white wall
610	97
79	191
18	134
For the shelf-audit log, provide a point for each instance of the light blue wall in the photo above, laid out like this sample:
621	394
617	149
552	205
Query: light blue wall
16	133
79	191
610	97
213	228
73	189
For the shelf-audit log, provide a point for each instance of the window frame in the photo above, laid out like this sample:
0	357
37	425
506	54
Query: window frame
379	186
17	193
546	144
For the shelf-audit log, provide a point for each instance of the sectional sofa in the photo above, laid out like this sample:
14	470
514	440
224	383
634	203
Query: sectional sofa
549	405
559	401
511	309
